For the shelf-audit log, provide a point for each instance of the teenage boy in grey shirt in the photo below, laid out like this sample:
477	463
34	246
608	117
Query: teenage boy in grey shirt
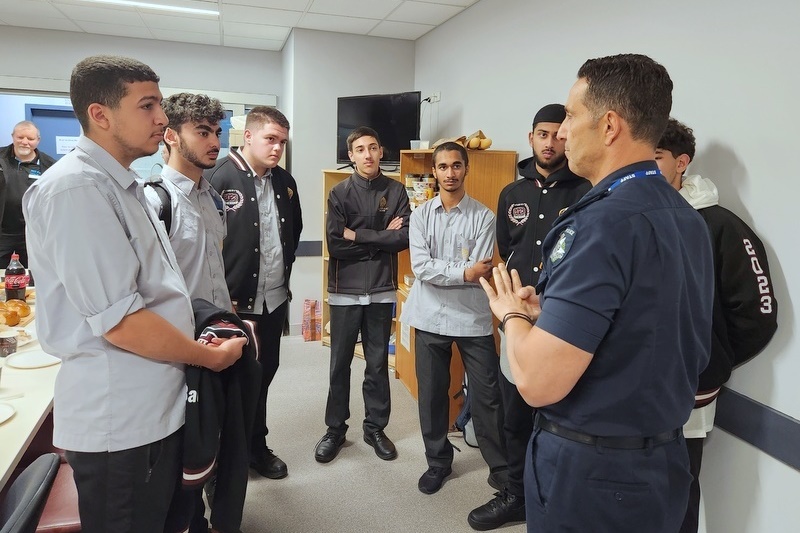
113	305
451	239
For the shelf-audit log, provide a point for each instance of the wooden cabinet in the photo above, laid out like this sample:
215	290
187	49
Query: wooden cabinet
489	172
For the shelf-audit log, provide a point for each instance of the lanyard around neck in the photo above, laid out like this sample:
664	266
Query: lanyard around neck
633	175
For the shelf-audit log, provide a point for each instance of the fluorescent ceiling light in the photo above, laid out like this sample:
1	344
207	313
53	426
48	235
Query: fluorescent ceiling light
159	7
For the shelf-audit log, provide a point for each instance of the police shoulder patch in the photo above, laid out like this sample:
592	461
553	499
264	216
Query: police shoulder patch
562	246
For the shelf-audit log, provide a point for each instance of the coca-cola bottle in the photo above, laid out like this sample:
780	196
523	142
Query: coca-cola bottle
16	279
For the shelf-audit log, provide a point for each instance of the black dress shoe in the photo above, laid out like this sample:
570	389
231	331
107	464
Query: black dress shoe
269	465
328	447
502	509
431	481
384	448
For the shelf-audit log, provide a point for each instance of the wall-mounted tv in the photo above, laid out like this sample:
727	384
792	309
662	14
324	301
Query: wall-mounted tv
394	116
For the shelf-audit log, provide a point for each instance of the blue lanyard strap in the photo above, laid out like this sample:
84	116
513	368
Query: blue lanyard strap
633	175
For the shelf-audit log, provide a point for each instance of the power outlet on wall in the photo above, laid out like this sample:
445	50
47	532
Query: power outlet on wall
436	97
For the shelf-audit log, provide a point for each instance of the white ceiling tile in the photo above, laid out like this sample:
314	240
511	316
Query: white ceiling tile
374	9
257	24
423	13
257	44
291	5
120	30
313	21
462	3
29	8
101	14
400	30
45	23
256	31
190	24
187	37
275	17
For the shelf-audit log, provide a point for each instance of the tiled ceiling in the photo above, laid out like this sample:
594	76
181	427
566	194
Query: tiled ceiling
255	24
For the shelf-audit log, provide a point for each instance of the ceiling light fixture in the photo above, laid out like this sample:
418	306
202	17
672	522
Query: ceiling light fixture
159	7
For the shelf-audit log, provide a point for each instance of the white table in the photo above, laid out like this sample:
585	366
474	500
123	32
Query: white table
31	409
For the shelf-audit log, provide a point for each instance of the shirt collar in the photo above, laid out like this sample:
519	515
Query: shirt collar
124	176
183	182
461	206
269	170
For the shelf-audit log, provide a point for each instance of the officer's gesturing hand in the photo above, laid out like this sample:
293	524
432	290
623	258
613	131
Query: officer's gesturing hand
509	296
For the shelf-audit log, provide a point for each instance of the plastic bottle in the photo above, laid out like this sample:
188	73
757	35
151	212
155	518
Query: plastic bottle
16	279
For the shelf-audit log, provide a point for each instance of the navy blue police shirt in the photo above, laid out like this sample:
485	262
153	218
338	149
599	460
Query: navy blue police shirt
628	277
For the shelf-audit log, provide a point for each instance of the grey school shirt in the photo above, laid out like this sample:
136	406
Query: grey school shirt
196	234
99	254
442	246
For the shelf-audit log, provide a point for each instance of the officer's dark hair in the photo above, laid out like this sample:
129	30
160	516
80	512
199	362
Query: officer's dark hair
103	80
450	146
265	114
635	87
187	107
361	131
678	139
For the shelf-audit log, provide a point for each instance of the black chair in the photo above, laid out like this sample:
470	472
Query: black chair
24	502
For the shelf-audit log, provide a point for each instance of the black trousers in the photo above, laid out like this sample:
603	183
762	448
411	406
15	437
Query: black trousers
374	321
433	354
269	329
692	518
129	490
517	428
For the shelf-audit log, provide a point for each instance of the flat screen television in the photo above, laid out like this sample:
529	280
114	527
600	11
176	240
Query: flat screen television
394	116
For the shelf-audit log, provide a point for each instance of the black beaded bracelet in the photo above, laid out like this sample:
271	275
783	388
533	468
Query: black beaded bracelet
509	316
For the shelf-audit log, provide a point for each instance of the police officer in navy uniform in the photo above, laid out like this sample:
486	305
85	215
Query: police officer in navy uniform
611	349
526	211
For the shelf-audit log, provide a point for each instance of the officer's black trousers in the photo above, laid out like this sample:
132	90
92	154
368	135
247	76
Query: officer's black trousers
575	487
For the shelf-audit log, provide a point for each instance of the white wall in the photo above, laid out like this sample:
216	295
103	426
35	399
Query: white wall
319	67
734	66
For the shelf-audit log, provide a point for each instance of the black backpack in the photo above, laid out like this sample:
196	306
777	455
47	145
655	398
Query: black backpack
165	210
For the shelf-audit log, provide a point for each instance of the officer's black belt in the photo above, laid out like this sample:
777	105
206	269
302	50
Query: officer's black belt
620	443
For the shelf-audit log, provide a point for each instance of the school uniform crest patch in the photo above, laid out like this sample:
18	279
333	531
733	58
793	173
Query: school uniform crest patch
519	213
382	205
233	198
290	192
562	246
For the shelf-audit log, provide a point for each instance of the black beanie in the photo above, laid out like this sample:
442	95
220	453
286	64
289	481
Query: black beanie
550	113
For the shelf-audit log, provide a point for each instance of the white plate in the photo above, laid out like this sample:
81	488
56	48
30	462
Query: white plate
29	340
32	359
6	412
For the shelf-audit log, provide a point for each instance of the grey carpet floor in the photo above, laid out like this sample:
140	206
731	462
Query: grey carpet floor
357	491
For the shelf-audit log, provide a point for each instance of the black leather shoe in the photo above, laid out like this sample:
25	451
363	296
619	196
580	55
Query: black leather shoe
502	509
433	478
328	447
384	448
269	465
